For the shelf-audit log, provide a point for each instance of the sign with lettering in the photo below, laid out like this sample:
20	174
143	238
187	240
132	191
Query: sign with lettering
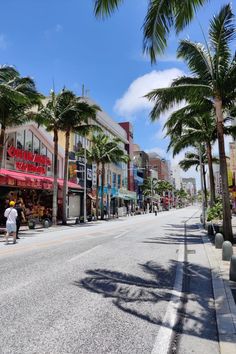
33	163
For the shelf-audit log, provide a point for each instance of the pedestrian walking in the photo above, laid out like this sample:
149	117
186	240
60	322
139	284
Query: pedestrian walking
155	210
20	217
11	215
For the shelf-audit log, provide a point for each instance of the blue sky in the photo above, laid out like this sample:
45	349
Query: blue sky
60	41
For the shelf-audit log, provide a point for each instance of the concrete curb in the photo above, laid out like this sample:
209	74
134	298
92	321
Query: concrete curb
225	306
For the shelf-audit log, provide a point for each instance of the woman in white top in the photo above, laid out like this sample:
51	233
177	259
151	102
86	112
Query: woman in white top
11	215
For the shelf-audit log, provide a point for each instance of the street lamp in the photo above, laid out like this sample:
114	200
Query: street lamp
85	180
85	183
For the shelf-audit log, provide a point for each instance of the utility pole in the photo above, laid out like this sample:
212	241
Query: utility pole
151	192
85	181
203	195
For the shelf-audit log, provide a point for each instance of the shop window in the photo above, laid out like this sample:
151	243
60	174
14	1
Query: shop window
50	167
118	181
114	180
43	150
28	140
20	139
11	141
36	145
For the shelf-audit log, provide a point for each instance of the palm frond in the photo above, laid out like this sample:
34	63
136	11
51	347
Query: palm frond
221	33
104	8
162	15
167	98
197	58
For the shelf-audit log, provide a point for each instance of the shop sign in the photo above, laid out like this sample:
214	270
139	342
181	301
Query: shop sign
31	160
232	156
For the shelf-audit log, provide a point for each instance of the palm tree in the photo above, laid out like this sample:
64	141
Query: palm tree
17	95
162	16
76	119
214	74
181	195
52	116
149	186
195	124
192	159
104	151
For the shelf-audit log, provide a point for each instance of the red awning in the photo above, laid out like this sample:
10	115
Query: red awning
70	184
20	176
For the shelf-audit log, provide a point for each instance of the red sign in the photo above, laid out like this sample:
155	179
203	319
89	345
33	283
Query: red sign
29	156
27	167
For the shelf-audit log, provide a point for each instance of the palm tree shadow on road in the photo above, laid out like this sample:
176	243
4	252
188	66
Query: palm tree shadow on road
139	296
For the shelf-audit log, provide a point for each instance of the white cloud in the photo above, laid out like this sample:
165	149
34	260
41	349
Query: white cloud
133	103
3	42
56	29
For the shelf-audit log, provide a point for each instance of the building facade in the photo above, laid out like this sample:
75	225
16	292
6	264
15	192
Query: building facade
27	172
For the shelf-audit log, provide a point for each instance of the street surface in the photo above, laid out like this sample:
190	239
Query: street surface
108	288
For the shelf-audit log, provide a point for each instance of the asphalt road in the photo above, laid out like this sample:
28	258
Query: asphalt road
108	288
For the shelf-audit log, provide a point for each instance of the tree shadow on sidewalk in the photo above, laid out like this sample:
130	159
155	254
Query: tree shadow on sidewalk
145	296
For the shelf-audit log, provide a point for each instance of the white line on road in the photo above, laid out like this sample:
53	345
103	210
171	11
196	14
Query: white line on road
83	253
164	335
122	234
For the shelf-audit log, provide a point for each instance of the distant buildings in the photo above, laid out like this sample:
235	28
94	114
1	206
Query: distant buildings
189	185
160	165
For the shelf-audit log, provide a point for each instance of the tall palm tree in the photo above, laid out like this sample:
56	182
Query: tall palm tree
195	124
52	115
192	159
162	16
214	73
17	95
104	151
150	186
77	118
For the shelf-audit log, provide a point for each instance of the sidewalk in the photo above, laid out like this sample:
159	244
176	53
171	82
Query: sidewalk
224	294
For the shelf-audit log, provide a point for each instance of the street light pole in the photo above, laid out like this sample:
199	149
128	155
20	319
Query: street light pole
203	195
151	191
85	183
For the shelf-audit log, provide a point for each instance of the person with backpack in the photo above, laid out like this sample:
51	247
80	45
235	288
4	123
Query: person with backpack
11	215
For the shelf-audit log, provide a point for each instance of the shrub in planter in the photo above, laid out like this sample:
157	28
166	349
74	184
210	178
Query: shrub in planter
215	212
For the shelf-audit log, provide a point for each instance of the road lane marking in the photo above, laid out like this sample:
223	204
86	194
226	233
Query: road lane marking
82	254
164	336
122	234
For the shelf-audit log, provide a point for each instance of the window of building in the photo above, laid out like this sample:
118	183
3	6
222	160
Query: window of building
28	140
43	150
118	181
113	180
50	167
36	145
20	139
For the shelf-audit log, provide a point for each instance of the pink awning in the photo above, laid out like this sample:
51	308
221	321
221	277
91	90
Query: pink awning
20	176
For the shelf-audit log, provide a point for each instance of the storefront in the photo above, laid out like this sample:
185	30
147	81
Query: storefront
27	173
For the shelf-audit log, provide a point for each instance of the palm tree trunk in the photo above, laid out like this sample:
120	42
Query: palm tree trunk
211	174
204	184
102	190
55	176
2	138
65	184
227	225
97	190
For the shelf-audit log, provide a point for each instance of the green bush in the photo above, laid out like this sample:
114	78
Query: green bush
215	212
